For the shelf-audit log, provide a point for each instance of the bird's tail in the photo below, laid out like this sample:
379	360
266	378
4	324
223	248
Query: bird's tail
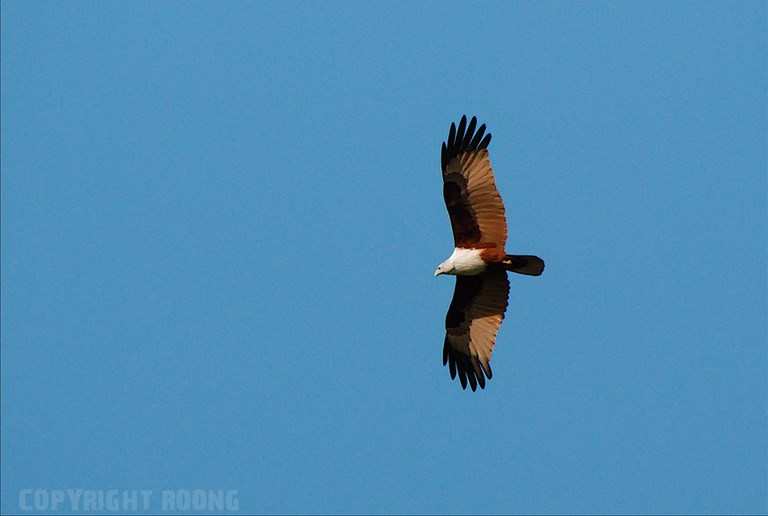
523	264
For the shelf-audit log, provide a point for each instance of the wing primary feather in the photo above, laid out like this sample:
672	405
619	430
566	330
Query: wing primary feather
462	377
476	140
452	136
485	142
443	157
481	380
470	132
478	371
472	379
460	133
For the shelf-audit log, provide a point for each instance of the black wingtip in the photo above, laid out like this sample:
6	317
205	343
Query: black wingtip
472	380
443	157
463	378
470	132
478	136
481	380
464	138
471	371
460	132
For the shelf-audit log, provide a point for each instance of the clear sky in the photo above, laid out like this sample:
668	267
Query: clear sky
220	222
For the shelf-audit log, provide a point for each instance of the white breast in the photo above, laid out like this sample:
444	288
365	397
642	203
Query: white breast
467	261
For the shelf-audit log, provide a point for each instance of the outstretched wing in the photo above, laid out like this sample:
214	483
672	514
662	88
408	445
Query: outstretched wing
474	204
471	325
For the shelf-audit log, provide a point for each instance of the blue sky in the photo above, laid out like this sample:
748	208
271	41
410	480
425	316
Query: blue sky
220	223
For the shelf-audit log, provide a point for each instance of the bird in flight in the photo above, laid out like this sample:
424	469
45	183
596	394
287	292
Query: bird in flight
479	260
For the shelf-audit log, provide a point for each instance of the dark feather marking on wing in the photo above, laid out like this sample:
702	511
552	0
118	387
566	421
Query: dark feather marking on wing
463	377
459	141
479	136
479	374
463	220
487	369
464	141
469	369
471	377
443	156
470	131
467	287
485	142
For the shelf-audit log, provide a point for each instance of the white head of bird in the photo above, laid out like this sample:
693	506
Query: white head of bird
463	262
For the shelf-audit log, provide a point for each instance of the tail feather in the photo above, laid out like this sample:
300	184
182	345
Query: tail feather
524	264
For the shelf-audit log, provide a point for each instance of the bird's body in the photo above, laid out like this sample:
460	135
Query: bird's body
479	260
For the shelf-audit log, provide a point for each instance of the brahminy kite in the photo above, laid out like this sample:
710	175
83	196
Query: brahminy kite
479	260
